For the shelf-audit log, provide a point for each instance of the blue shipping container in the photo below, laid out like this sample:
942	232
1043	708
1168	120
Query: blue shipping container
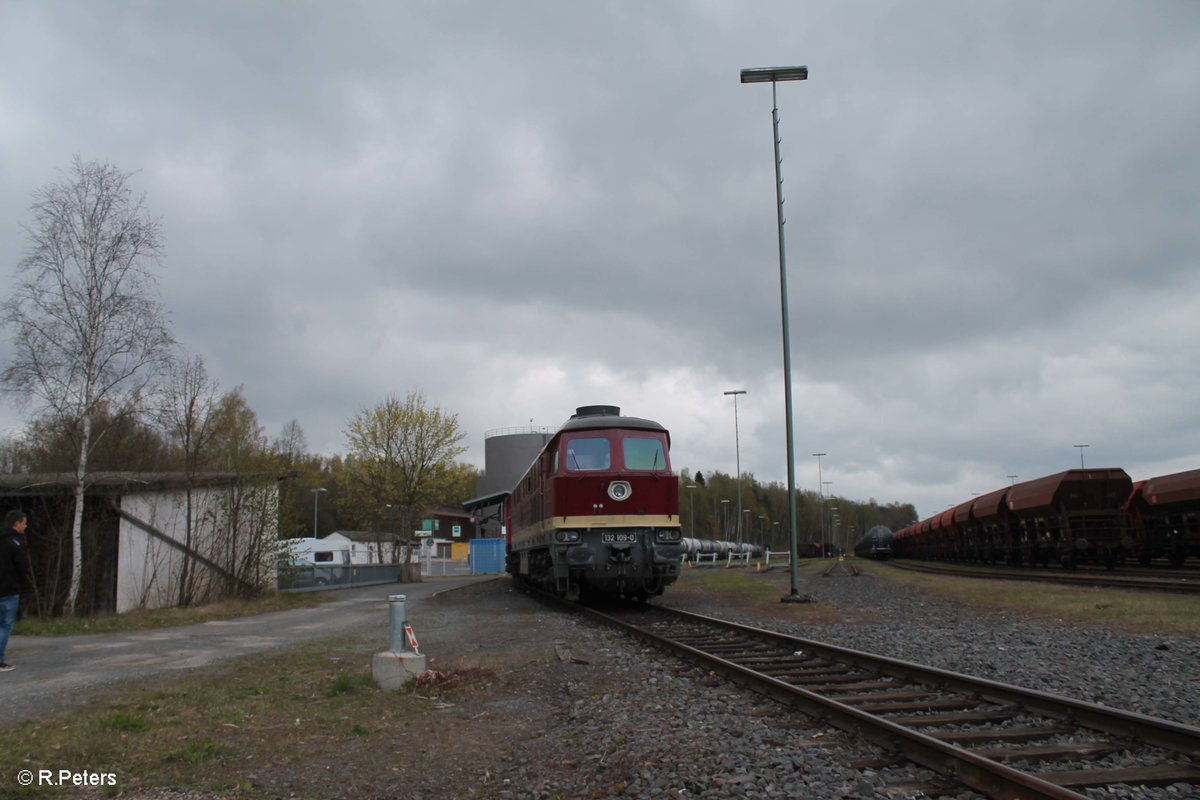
487	556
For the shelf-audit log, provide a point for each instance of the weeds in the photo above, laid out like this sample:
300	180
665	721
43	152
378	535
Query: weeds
124	722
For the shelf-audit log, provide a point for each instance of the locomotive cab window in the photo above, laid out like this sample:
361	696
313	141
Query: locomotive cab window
588	454
643	453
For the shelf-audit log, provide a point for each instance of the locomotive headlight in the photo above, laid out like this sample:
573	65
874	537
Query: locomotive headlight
566	536
619	490
668	535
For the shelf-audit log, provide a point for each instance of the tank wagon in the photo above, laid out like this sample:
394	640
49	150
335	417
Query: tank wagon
597	512
1077	516
875	543
693	549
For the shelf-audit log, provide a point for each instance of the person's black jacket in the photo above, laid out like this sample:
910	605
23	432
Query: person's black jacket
14	563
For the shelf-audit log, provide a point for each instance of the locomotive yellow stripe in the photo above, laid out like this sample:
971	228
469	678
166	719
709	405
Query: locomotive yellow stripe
617	521
608	521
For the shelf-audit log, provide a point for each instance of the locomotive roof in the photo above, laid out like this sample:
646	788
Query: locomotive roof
591	423
599	417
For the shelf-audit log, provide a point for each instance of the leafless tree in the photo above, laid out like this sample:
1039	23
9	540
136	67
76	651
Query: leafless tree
88	328
186	413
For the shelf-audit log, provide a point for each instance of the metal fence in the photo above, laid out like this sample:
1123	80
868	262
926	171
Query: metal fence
328	576
485	557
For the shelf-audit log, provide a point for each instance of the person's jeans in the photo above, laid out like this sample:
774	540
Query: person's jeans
8	618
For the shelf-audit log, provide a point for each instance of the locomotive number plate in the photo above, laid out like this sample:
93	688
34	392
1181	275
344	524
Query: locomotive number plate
618	538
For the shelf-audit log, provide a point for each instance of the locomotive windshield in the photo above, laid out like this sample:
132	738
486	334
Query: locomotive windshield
588	454
595	453
643	453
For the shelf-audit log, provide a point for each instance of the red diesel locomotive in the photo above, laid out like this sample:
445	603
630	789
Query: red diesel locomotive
598	510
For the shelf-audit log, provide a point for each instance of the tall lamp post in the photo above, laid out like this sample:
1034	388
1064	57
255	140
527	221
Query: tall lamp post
834	523
773	75
821	494
692	507
825	485
1012	479
316	501
737	452
1080	446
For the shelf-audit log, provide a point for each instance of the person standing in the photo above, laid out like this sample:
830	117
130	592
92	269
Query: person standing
14	576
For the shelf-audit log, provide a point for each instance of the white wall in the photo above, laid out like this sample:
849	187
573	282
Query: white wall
148	569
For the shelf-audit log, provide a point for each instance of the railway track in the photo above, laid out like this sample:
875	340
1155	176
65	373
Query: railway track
1175	582
1003	741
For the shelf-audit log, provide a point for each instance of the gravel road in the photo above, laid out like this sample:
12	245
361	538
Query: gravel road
52	672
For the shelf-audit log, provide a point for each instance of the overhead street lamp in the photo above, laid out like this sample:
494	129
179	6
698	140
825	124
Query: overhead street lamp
737	451
316	502
1080	446
774	75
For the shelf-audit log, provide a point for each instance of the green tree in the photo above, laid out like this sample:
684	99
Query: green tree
401	453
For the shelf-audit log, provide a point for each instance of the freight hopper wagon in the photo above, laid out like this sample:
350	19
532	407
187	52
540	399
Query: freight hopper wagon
598	510
1164	515
1068	518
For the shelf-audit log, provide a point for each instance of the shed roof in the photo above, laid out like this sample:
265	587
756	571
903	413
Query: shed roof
52	483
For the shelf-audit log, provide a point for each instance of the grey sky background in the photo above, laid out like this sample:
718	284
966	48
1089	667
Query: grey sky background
517	208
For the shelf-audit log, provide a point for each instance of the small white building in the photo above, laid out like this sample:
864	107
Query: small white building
372	547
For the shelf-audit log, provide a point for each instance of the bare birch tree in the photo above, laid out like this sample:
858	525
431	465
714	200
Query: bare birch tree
88	329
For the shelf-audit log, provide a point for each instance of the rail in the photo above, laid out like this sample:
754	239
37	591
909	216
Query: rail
886	700
1144	583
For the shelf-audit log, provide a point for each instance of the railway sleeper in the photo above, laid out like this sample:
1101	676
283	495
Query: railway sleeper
1158	775
1026	734
1049	752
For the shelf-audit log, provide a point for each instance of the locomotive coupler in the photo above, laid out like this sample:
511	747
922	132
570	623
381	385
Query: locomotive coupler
619	553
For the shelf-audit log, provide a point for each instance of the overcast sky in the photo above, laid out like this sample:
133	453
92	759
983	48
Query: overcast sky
517	208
